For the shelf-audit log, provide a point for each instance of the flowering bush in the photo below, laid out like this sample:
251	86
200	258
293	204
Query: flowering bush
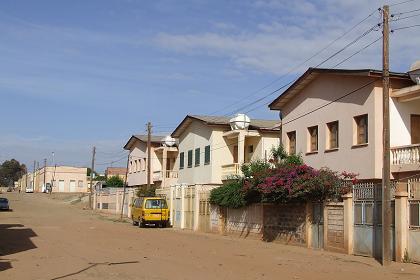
302	182
284	178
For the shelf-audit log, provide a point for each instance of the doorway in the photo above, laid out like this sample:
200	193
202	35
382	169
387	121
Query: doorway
415	129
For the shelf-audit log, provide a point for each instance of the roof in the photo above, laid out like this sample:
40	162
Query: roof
155	139
313	73
222	121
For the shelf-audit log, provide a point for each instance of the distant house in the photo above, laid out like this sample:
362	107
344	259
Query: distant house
333	118
61	178
162	173
116	171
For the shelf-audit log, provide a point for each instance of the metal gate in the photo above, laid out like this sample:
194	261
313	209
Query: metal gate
414	219
204	211
176	202
335	227
317	226
367	237
189	204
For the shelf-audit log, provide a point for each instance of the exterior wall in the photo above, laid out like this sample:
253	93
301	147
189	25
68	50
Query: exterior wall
285	223
137	176
62	173
400	121
198	135
116	171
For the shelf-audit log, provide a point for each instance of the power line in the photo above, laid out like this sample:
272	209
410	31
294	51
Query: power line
407	17
406	27
302	63
400	3
406	12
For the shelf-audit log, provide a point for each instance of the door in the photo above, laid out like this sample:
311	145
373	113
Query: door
415	129
235	154
318	226
72	186
61	186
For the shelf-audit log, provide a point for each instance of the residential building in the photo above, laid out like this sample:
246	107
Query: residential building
163	172
333	118
116	171
61	178
211	148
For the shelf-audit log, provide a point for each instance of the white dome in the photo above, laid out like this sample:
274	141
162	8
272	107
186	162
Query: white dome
415	66
240	121
168	141
415	72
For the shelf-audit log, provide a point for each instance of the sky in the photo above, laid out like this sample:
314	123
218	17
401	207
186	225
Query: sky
83	73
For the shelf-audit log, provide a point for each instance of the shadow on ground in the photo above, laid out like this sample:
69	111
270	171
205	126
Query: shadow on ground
14	238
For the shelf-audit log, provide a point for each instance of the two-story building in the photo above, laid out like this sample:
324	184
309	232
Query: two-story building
163	154
211	150
333	118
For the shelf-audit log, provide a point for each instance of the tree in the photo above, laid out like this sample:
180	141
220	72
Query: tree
114	182
11	171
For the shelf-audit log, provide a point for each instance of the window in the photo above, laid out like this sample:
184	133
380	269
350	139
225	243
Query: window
143	164
155	204
207	154
197	157
361	129
332	137
291	136
313	138
190	158
414	214
181	160
251	149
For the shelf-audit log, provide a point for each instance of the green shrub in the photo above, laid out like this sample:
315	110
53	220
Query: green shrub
114	182
229	195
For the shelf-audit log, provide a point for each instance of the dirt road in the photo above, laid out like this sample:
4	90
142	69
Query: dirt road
48	239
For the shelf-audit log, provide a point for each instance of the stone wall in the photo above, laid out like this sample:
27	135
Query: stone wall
285	223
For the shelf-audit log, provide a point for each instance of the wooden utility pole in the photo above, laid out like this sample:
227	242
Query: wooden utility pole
45	174
33	177
149	147
91	177
125	186
386	180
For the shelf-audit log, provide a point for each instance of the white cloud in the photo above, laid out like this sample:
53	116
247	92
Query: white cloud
299	30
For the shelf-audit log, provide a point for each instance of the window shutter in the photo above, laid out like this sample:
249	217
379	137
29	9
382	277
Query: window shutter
197	157
207	154
181	160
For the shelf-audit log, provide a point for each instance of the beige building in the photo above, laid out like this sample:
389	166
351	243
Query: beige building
333	118
62	179
116	171
162	173
211	150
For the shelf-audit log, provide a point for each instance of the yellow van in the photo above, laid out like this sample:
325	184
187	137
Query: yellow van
150	210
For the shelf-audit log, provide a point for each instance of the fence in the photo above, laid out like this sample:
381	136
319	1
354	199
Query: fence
413	248
109	200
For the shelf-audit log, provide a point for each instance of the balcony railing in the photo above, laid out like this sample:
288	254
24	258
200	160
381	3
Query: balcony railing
169	174
230	170
405	155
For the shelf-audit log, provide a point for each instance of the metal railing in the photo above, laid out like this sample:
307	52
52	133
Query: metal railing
409	154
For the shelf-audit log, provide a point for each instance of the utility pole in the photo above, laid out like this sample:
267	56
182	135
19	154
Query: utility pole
91	177
149	147
33	177
125	186
386	180
45	174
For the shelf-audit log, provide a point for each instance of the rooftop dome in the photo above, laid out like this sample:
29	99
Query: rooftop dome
415	72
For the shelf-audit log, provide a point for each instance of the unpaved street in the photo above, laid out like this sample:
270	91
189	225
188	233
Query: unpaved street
50	239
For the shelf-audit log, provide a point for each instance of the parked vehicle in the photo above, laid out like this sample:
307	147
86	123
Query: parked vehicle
150	211
4	204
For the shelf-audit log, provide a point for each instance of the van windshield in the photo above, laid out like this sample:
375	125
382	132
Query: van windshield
155	204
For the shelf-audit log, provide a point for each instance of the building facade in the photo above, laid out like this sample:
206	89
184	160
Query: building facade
333	118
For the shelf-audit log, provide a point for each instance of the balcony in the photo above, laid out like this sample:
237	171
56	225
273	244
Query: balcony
405	158
169	174
230	170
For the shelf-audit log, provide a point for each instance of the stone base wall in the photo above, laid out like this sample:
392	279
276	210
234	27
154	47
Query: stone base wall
285	223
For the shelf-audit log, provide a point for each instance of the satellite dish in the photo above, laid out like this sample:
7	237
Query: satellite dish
240	121
168	141
415	72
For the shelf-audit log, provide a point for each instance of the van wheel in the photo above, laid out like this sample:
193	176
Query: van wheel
164	224
135	223
140	223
